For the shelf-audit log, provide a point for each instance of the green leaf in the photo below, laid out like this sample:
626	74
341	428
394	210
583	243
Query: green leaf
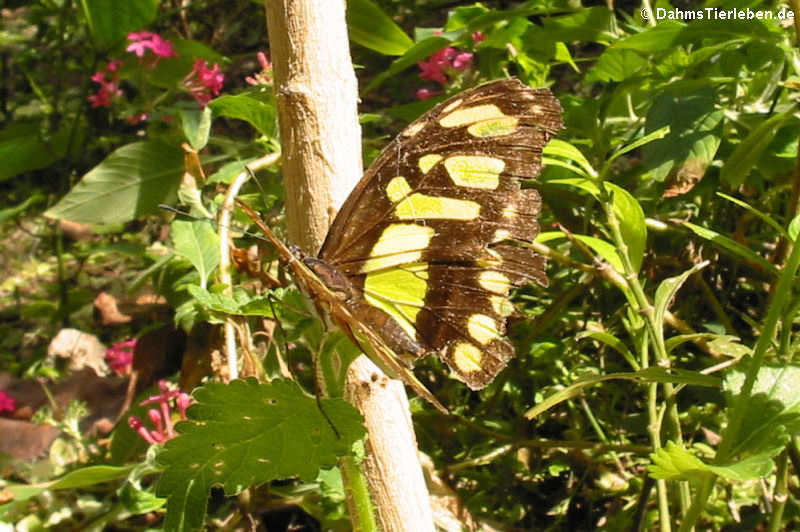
240	303
110	21
729	346
673	462
11	212
632	224
666	292
694	134
650	137
131	182
228	171
245	107
611	341
80	478
654	374
589	24
370	27
772	415
196	124
605	249
199	243
245	433
568	152
616	64
139	501
580	183
794	228
673	342
732	247
90	476
749	151
23	148
769	220
628	212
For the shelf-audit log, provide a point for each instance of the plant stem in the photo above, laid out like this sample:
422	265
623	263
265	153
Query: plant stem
730	434
780	493
657	340
359	504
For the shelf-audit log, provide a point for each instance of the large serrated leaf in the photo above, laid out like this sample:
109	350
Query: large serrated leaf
245	433
133	181
773	409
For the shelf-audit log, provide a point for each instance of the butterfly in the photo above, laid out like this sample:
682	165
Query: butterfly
424	253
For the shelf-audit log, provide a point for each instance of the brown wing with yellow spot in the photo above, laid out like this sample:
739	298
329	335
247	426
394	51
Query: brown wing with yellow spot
430	235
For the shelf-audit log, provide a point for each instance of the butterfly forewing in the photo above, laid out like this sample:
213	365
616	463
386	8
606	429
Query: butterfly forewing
430	236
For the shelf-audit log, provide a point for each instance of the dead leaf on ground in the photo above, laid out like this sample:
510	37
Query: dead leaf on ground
82	349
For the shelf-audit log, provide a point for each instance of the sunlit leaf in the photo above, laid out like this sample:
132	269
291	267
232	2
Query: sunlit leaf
245	433
131	182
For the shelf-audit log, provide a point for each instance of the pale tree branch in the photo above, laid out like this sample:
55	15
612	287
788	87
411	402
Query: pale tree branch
321	144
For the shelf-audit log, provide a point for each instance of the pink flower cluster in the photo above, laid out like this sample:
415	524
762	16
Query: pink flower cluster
109	85
204	82
120	357
443	64
142	41
265	76
161	418
7	403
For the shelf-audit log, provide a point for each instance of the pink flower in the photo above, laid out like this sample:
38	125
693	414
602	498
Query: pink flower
462	61
161	417
136	119
442	65
204	82
424	93
265	76
120	357
109	89
434	68
443	62
478	37
7	403
146	40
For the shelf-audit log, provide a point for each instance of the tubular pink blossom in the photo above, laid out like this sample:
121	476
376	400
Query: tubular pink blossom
155	419
183	402
136	424
146	40
204	82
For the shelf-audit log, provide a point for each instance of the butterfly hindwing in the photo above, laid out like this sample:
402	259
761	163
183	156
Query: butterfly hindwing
430	238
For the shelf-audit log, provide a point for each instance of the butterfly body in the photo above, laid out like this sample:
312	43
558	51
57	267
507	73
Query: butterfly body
423	254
